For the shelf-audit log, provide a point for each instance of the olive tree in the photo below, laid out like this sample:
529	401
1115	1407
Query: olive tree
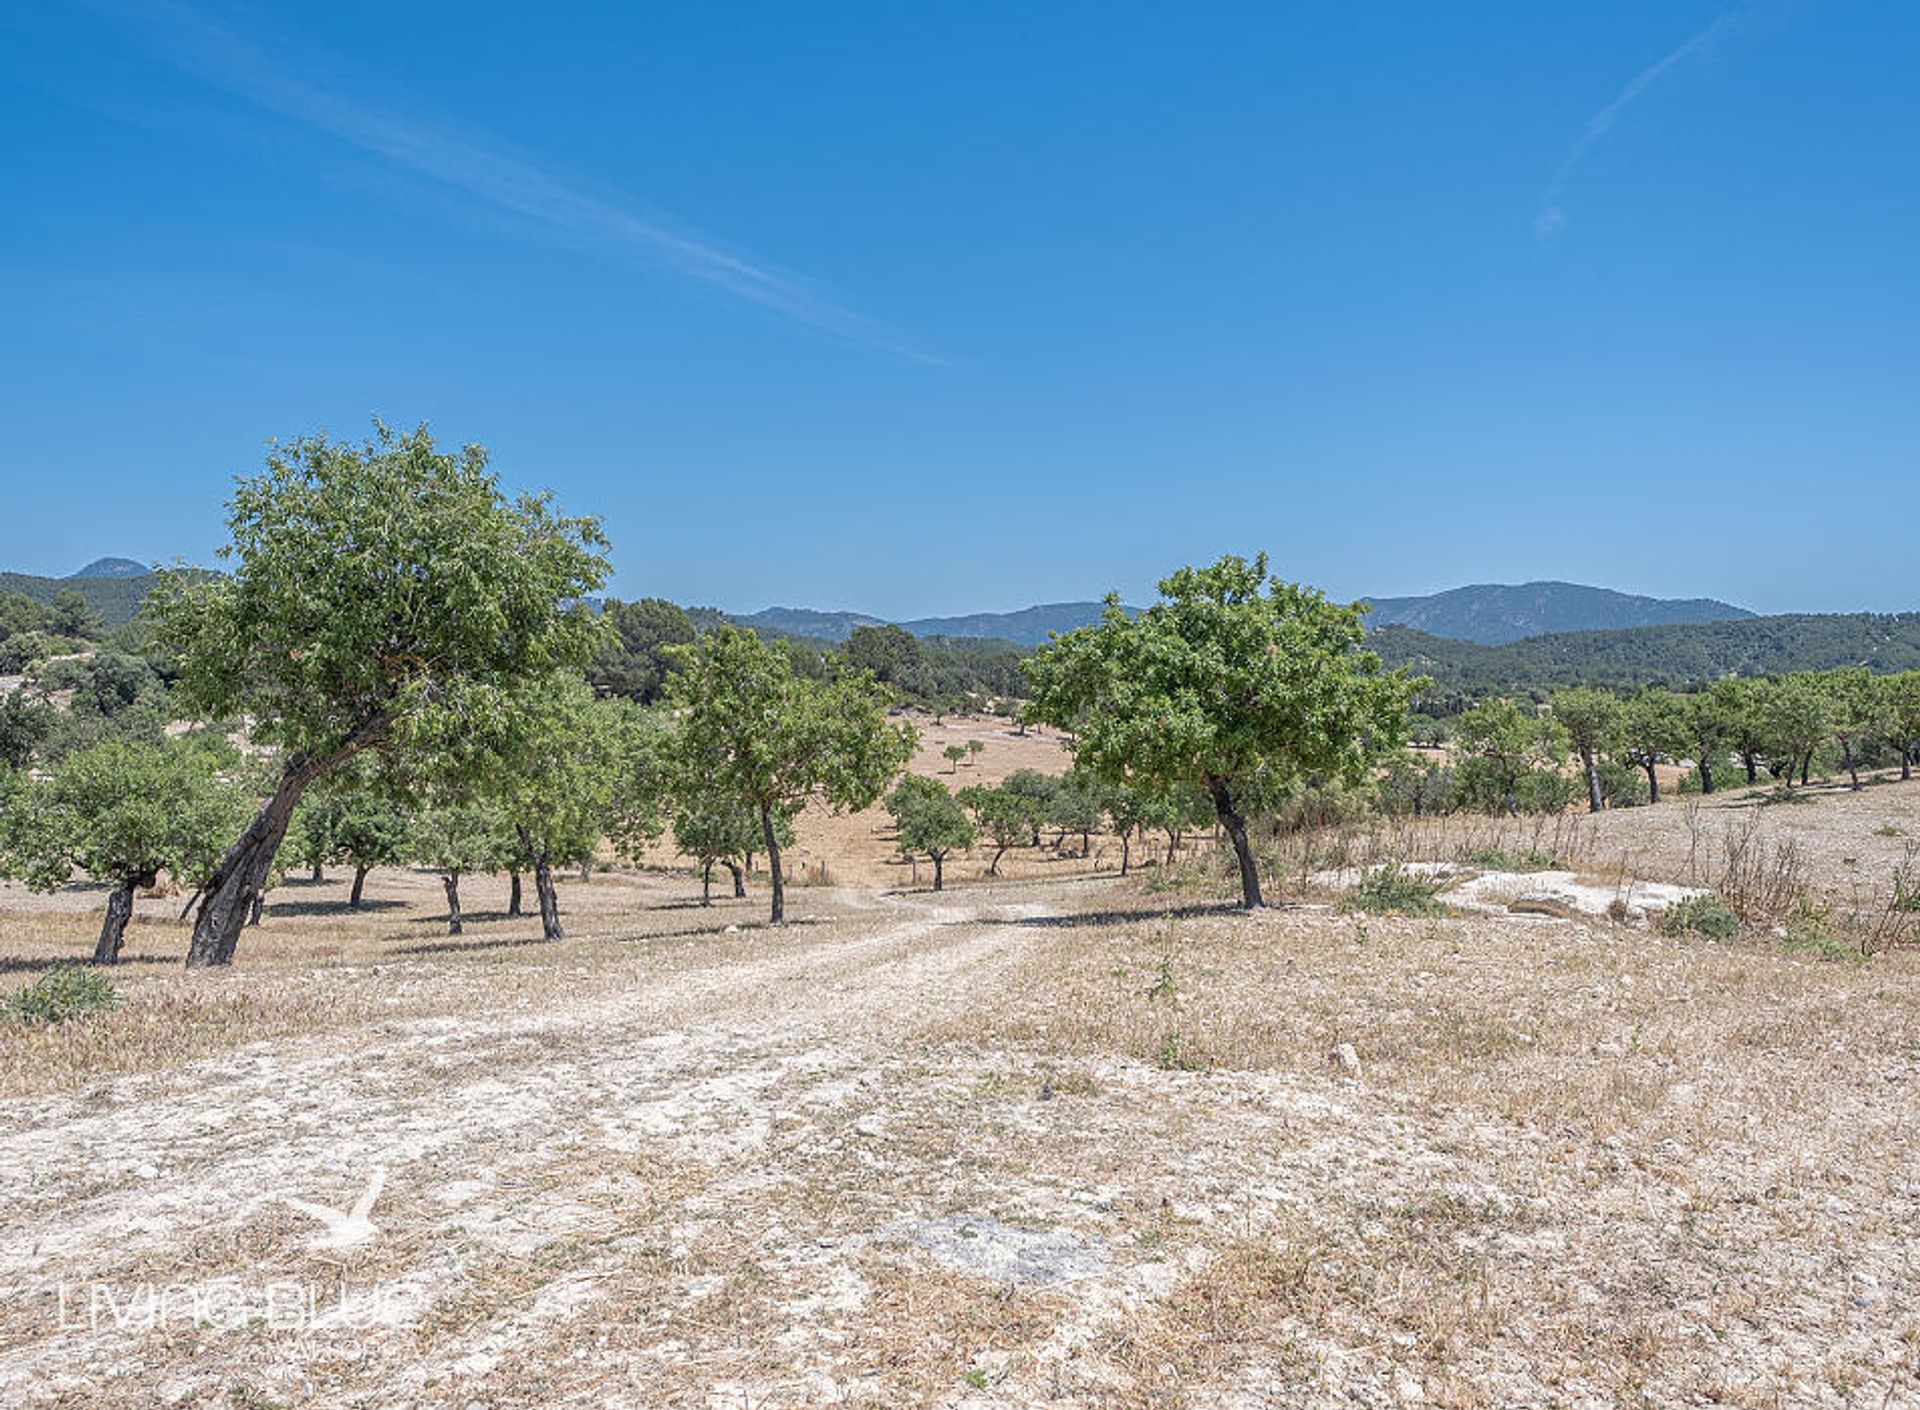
1230	682
772	740
122	811
372	586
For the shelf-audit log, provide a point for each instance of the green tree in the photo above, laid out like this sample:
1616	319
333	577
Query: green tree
1651	730
1077	805
953	754
456	839
713	829
1038	791
71	616
1796	719
1741	705
635	662
1008	819
1509	742
1854	714
25	724
772	740
374	588
975	748
122	811
1711	726
1227	683
1900	715
929	819
886	653
565	769
370	827
1587	716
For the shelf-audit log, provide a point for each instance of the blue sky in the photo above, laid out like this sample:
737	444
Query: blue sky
916	309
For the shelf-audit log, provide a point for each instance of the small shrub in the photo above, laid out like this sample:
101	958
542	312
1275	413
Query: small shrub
1393	891
64	992
1706	915
1500	859
1889	831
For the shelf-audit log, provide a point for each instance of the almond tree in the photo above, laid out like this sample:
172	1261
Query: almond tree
1231	682
929	820
753	731
121	811
372	588
1587	715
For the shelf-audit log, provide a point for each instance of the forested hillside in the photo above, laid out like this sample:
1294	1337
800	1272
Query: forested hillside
1677	656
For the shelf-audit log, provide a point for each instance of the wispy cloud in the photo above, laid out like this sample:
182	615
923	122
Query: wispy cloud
1552	215
486	169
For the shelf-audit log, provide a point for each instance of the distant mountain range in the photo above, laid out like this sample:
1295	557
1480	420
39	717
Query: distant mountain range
1496	613
1491	614
1030	626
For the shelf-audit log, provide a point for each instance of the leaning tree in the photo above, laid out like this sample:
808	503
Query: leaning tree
772	740
373	586
1232	682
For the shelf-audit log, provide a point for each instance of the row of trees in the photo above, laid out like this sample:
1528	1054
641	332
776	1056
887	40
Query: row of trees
1513	751
393	628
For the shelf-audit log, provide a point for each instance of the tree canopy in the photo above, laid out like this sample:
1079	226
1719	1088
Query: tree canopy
1233	682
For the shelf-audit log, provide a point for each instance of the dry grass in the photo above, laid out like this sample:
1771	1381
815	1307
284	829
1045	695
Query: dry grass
668	1163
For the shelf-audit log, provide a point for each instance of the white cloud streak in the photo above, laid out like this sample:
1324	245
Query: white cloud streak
1552	215
491	172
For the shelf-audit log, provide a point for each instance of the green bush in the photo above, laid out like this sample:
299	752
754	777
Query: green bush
1706	915
1500	859
64	992
1620	786
1393	891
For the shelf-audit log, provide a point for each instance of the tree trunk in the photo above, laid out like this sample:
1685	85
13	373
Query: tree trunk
549	900
1653	784
1853	766
359	885
1706	775
739	880
243	870
1173	845
938	857
319	874
1806	767
993	868
113	930
1753	768
257	908
586	869
1126	851
1906	765
452	882
1513	809
773	864
513	897
706	885
1236	827
1596	800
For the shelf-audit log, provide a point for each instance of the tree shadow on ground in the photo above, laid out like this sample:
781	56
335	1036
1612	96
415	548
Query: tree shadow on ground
289	909
1192	910
34	964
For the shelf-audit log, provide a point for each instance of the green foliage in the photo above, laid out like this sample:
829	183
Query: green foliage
886	652
635	663
930	821
1501	859
63	993
1392	890
1415	784
461	837
1007	818
25	725
1651	729
375	586
1705	915
1232	682
755	733
1509	749
123	811
712	829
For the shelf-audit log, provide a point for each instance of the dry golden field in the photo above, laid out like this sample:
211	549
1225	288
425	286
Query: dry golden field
1056	1140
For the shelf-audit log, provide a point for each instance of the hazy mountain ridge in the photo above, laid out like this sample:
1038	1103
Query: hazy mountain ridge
115	596
1494	614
